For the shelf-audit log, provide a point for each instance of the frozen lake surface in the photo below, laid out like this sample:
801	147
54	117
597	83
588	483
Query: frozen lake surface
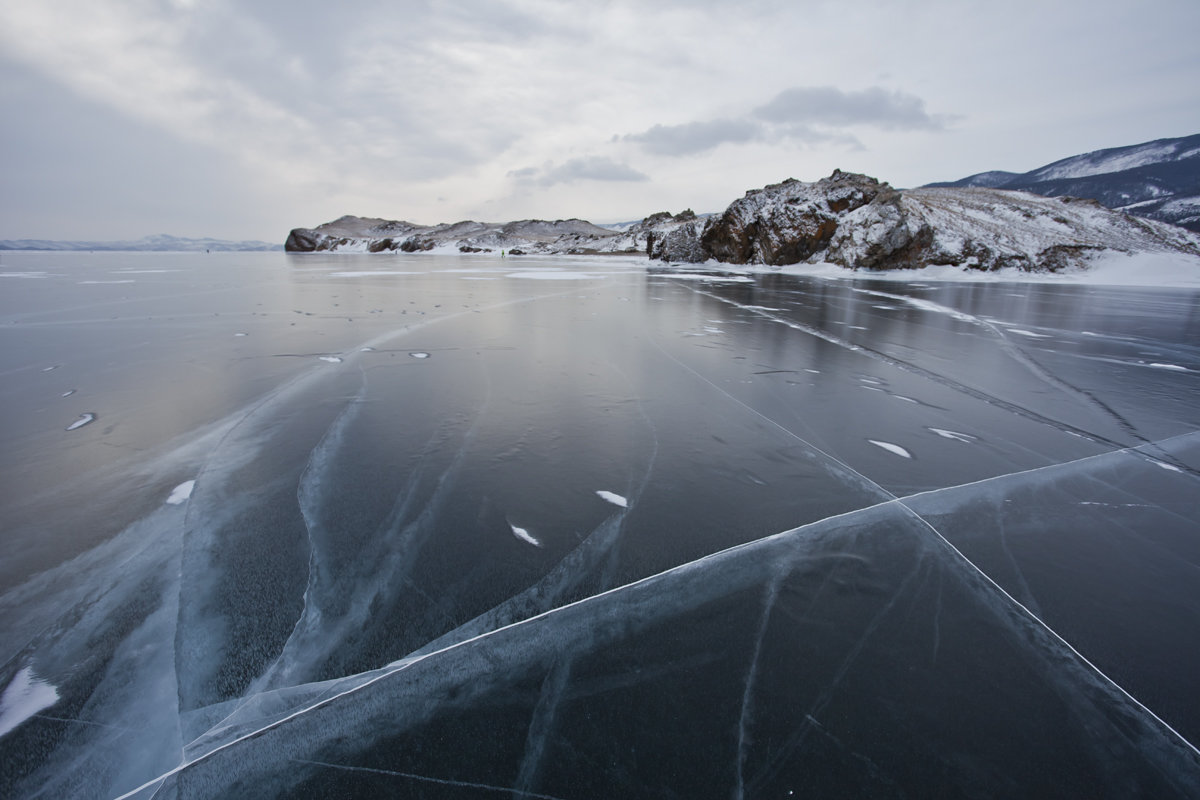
430	526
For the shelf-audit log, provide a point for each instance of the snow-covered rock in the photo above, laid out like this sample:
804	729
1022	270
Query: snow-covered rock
857	222
365	234
789	222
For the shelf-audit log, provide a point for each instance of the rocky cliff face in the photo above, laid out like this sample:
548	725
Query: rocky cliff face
857	222
789	222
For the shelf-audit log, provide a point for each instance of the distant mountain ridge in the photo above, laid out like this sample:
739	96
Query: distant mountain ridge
160	243
1158	180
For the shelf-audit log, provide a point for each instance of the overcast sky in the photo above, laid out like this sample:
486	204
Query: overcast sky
122	118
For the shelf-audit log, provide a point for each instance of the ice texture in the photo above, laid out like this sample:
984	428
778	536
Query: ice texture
331	603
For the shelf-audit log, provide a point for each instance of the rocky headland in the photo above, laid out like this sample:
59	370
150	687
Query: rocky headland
846	219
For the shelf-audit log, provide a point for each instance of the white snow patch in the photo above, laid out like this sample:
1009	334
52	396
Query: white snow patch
1175	367
25	696
891	448
371	273
240	333
1030	334
68	393
612	497
181	493
24	274
1107	269
958	437
524	535
331	359
127	280
419	355
554	275
84	419
1166	466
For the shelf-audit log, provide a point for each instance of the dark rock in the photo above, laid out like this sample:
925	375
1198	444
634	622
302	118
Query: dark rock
302	240
679	245
414	244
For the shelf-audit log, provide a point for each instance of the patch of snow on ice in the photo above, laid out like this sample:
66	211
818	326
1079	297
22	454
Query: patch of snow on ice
84	283
891	448
1175	367
239	333
84	419
331	359
24	697
371	273
615	499
1166	466
181	493
554	275
419	355
68	393
1030	334
958	437
524	535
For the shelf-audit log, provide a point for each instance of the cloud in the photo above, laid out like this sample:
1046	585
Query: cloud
696	137
810	114
826	105
583	168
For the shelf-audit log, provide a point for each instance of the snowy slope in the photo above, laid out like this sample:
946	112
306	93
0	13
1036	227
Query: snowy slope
1159	180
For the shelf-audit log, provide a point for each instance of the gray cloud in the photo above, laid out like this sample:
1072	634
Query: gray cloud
826	105
584	168
810	114
696	137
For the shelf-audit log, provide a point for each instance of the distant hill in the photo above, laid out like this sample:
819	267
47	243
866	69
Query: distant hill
159	243
1159	180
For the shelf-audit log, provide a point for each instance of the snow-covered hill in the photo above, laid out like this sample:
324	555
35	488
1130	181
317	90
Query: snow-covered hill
1158	180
